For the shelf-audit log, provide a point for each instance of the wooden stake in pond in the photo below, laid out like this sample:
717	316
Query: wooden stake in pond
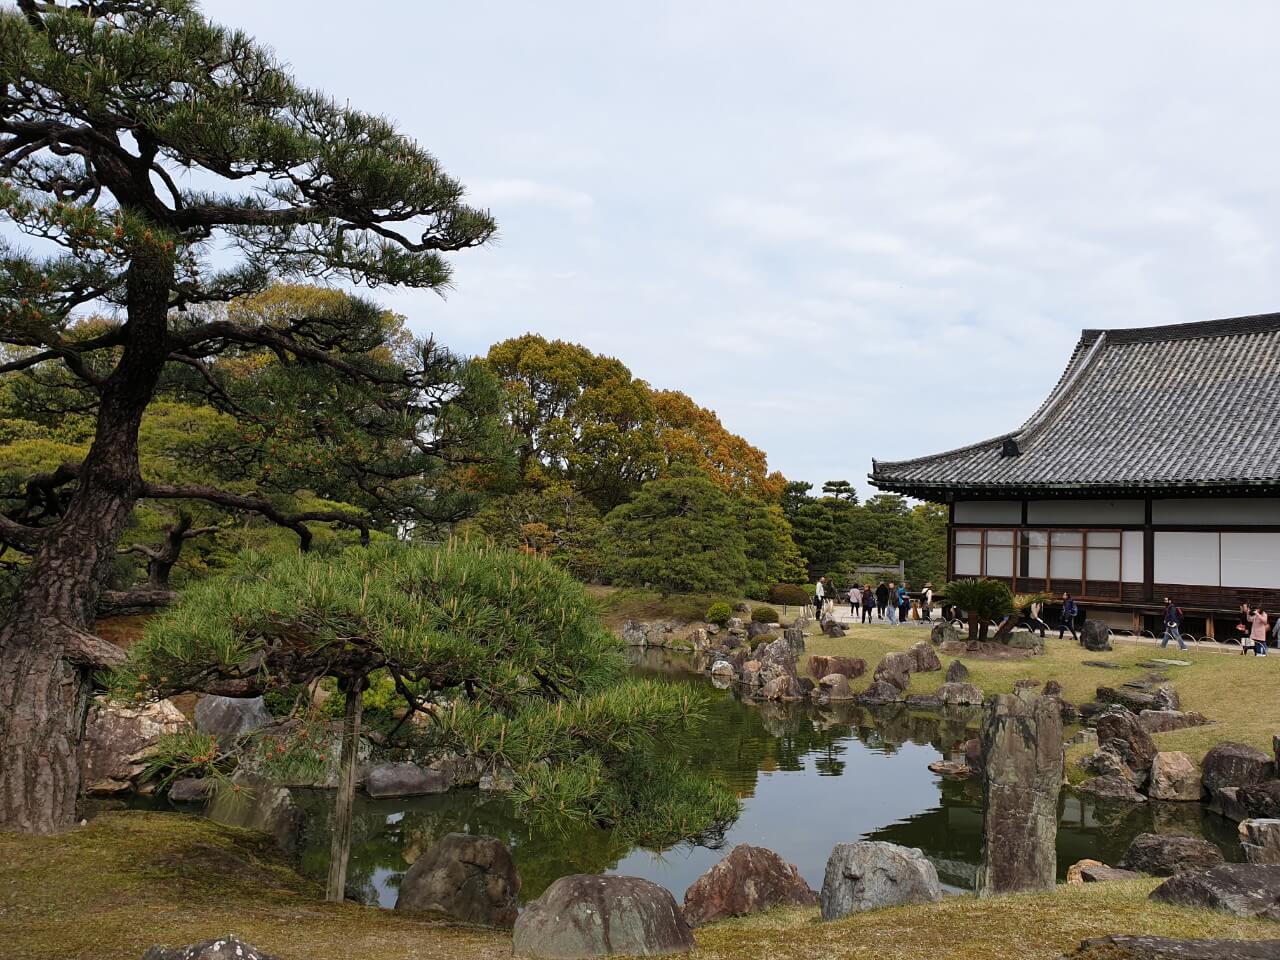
1022	775
340	849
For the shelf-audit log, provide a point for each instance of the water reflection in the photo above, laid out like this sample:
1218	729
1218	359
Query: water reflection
809	777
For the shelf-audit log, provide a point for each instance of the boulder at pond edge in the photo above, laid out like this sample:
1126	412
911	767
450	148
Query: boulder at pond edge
467	877
749	880
588	916
1241	889
871	874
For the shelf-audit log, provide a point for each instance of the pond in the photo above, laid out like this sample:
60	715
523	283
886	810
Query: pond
809	777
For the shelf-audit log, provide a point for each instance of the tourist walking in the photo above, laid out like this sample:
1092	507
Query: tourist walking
819	597
1172	625
1258	632
1068	620
1034	622
891	603
904	603
1244	627
882	600
868	602
855	601
926	603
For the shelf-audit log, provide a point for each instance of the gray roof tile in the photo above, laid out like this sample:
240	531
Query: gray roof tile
1186	406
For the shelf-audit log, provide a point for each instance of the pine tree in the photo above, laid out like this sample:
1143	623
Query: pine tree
137	139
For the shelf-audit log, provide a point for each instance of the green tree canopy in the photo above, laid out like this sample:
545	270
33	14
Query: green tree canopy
679	534
503	650
166	166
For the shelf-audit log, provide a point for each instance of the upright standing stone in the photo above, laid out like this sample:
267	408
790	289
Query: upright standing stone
1022	766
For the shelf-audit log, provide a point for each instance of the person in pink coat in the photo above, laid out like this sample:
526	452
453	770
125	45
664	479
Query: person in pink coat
1258	632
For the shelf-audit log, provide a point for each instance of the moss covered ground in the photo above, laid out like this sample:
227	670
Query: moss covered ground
1237	693
128	880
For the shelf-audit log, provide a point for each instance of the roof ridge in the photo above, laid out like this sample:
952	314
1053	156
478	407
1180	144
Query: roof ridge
1225	326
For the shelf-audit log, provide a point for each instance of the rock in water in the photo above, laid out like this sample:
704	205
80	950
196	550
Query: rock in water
1022	761
835	686
959	694
405	780
1230	764
1174	777
1260	840
1095	635
851	667
587	916
872	874
467	877
1111	789
1162	948
230	717
1260	800
749	880
1241	889
1162	855
219	948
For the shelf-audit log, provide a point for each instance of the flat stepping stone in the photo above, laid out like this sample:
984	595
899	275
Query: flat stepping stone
1172	663
1103	664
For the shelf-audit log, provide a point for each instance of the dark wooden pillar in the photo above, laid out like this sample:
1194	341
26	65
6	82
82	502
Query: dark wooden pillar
1148	556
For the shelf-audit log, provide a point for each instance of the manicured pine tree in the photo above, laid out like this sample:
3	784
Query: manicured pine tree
138	139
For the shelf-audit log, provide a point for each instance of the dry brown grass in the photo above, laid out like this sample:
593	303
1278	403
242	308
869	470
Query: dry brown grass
128	880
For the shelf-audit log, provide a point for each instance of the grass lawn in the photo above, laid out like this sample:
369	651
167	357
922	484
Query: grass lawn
129	880
1238	693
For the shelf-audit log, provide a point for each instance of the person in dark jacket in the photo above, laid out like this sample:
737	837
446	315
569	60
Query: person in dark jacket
882	599
1243	627
1069	613
904	603
868	602
1172	625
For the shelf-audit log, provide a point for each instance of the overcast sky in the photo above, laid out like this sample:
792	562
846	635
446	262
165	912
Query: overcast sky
852	229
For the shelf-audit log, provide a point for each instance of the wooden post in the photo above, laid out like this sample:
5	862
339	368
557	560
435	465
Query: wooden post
1208	627
340	849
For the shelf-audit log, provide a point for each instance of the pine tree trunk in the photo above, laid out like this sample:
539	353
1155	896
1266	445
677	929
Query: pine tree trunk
340	848
47	651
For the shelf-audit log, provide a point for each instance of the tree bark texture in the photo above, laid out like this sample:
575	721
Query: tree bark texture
48	653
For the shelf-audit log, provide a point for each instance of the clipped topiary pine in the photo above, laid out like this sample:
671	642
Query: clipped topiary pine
764	615
983	601
719	613
511	643
788	594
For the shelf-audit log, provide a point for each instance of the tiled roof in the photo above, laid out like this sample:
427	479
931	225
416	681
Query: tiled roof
1184	407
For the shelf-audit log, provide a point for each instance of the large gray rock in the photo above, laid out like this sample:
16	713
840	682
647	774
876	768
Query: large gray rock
117	742
851	667
1260	800
832	628
1162	721
1173	777
219	948
945	633
1095	635
880	691
1230	764
871	874
259	805
1022	761
834	686
405	780
230	717
1164	855
586	916
1260	840
895	668
1105	762
1119	730
191	789
1241	889
749	880
795	638
468	877
959	695
957	672
1123	947
924	658
1111	790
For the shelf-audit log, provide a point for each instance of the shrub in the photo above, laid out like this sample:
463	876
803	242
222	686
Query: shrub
719	613
764	615
788	594
982	600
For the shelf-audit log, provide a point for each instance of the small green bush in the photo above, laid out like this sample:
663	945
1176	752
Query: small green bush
788	594
764	615
719	613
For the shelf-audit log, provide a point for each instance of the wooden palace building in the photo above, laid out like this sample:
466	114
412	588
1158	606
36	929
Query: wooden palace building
1152	469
